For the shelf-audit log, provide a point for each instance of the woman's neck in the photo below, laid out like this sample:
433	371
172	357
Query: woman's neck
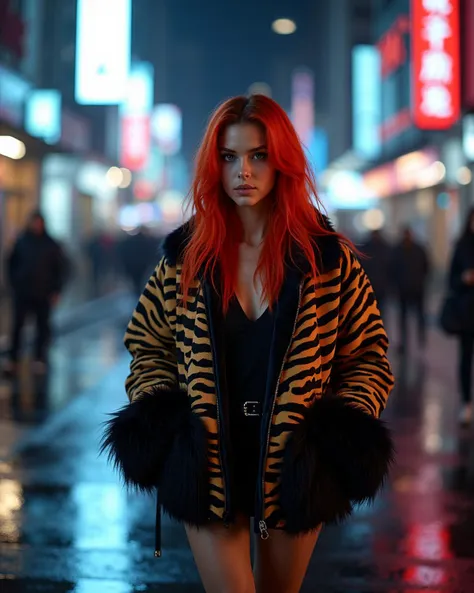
254	222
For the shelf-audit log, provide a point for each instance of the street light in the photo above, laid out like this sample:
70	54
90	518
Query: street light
12	147
114	177
284	26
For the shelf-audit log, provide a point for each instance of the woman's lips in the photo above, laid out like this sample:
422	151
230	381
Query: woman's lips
245	190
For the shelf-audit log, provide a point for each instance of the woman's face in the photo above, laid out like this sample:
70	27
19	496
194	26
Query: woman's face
247	175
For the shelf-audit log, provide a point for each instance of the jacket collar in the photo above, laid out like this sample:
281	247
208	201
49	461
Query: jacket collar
327	248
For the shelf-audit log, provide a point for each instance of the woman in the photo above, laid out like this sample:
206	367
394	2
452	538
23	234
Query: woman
259	363
461	281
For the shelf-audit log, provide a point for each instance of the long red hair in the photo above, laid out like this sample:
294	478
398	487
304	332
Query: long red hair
294	219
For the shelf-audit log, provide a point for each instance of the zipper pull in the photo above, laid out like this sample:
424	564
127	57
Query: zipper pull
263	530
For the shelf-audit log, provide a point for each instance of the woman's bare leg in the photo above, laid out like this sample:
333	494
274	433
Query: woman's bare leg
282	560
222	555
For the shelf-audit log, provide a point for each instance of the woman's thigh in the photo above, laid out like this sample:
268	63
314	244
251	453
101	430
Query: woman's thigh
281	561
222	555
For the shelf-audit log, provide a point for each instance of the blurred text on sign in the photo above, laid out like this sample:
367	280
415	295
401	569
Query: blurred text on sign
436	63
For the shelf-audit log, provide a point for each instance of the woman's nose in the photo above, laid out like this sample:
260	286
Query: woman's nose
244	169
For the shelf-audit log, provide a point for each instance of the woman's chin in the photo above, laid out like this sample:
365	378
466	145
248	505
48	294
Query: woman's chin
247	201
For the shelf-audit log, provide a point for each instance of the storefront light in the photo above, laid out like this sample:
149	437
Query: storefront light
92	179
373	220
464	176
114	177
439	171
12	147
126	178
431	176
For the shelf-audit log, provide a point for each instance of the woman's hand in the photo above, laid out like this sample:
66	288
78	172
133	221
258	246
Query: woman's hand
468	277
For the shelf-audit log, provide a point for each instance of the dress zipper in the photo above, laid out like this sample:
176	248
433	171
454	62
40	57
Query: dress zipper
261	523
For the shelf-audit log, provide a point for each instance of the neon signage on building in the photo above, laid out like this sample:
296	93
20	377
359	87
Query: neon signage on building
102	51
436	63
135	116
392	46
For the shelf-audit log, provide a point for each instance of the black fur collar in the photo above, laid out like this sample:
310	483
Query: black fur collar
328	245
175	243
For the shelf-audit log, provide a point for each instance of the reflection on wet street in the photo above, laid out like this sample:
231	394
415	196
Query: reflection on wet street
68	525
75	364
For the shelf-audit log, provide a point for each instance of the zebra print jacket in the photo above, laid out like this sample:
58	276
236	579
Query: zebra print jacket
324	448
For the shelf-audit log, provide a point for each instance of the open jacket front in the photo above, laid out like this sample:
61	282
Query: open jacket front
323	447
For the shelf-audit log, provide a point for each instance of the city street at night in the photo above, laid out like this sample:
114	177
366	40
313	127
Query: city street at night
236	296
68	525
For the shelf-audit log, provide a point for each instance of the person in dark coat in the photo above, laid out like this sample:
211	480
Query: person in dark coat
137	256
36	271
377	266
461	280
410	271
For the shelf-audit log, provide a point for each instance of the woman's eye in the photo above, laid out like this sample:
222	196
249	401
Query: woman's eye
260	156
229	158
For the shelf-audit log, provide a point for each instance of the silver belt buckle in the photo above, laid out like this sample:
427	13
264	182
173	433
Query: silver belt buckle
251	413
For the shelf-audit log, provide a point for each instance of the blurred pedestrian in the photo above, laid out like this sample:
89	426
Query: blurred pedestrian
410	272
101	250
137	254
259	364
37	271
377	266
461	283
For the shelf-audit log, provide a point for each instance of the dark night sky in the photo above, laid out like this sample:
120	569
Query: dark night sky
237	42
212	49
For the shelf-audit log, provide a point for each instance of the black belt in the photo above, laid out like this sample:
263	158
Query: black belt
252	408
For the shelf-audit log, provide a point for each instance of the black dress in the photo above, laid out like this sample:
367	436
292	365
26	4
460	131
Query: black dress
247	345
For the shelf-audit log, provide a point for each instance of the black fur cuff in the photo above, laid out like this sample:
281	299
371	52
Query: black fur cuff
138	437
338	456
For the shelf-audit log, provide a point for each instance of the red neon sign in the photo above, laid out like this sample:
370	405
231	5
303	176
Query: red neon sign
436	63
136	138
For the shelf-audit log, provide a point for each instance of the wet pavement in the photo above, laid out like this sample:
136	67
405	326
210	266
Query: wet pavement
67	524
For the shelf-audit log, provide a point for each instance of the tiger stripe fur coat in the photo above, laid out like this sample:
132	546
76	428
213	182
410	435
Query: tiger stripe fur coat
324	448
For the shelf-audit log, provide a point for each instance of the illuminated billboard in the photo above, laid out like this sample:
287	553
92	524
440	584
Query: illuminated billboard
102	51
135	141
139	90
166	127
43	115
302	103
135	116
436	63
366	101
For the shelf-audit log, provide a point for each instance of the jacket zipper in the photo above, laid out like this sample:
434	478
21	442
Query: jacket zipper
224	472
261	519
226	515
